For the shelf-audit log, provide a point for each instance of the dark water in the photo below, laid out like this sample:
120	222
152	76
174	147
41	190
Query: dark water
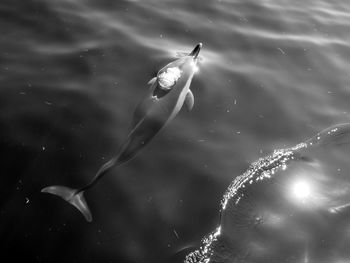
272	74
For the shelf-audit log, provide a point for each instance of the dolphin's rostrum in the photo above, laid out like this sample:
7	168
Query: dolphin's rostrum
169	90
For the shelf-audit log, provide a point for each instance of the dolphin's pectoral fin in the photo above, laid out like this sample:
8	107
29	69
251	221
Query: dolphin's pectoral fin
151	82
189	100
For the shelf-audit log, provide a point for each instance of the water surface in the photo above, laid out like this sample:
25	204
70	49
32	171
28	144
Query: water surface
272	74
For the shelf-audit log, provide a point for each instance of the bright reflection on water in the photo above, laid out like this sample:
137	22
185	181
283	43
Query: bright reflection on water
285	208
301	190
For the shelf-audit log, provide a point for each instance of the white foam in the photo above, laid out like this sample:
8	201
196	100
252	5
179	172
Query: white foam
168	78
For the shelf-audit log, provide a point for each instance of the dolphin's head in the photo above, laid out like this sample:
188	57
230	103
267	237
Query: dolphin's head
194	53
180	69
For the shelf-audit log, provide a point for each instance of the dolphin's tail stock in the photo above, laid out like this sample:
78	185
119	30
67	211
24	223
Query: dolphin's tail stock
73	196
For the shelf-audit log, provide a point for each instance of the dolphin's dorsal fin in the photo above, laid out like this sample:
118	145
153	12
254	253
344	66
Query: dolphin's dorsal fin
151	82
189	100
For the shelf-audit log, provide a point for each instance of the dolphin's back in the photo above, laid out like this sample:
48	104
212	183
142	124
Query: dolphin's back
150	116
139	137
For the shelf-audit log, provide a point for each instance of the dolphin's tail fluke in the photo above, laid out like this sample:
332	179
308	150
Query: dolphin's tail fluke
72	196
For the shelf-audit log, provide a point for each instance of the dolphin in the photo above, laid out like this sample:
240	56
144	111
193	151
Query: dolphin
168	91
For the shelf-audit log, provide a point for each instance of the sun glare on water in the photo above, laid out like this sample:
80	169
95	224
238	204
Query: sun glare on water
195	67
301	190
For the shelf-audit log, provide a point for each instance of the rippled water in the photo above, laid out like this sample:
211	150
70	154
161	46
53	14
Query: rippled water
278	211
272	73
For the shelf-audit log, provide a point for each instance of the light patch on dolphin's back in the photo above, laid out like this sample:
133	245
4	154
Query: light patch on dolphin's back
168	78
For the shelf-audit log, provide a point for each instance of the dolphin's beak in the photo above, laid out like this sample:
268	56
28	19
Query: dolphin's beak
196	50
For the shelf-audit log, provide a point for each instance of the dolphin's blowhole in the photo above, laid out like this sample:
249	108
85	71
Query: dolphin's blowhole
168	78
